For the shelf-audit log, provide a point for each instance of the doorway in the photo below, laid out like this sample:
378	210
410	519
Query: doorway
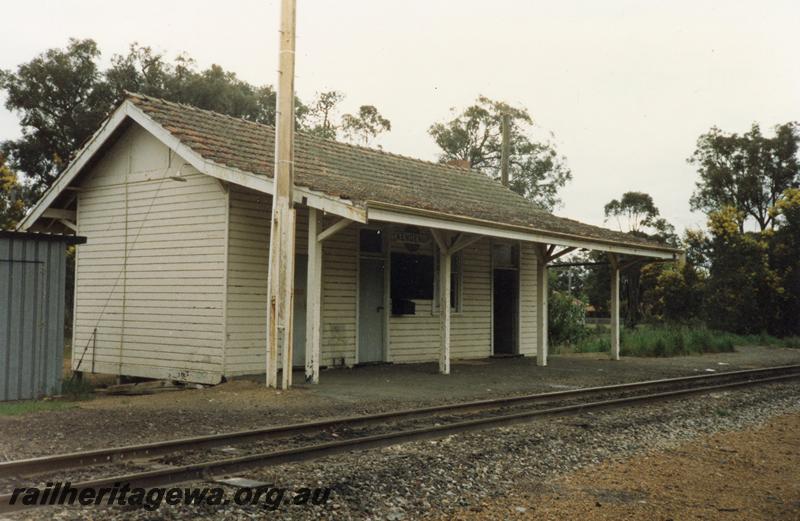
505	298
371	312
299	311
505	306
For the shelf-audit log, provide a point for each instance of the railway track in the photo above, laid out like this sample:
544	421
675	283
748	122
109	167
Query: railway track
187	459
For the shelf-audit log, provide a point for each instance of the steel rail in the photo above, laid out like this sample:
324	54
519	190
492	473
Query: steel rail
203	471
148	450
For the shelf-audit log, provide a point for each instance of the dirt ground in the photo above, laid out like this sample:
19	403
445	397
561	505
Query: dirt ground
746	475
241	404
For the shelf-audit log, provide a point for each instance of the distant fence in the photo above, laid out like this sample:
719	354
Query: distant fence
598	321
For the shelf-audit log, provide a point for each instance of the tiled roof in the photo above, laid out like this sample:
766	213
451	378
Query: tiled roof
364	175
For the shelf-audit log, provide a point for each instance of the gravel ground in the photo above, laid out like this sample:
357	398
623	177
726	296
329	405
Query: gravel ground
464	473
747	475
245	404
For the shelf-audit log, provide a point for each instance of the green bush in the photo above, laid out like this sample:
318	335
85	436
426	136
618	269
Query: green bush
566	319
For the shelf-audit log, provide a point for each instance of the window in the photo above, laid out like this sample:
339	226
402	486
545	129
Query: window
456	279
370	241
505	255
412	277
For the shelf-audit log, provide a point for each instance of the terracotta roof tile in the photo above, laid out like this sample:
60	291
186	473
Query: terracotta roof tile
362	174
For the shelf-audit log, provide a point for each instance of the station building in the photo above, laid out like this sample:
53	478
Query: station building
396	259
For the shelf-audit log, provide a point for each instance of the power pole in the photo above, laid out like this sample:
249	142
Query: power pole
504	159
281	240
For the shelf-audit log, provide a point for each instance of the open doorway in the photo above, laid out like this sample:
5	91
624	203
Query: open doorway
299	313
505	299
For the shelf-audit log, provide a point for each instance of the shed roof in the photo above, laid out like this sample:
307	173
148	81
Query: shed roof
50	237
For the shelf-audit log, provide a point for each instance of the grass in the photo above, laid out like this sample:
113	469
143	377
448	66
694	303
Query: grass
71	391
29	406
663	341
767	340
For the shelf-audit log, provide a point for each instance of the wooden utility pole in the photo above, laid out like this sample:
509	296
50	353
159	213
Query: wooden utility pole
504	159
280	285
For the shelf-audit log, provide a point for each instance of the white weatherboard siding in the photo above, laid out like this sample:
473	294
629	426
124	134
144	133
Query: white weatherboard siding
527	298
339	296
248	255
151	276
472	327
416	338
248	247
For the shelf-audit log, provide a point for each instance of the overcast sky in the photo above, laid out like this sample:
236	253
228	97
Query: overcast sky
625	86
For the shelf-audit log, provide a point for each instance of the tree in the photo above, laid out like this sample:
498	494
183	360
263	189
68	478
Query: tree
641	212
642	220
675	294
637	207
366	125
60	97
785	260
537	171
322	112
146	72
360	128
12	197
743	288
747	172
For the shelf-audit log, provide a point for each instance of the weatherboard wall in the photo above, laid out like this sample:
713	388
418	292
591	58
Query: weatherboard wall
248	250
149	283
417	337
172	283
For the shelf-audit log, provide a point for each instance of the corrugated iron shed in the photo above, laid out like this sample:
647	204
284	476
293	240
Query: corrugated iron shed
32	287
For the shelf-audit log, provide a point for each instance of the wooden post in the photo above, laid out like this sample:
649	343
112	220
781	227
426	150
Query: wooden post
614	307
541	306
444	310
281	251
314	298
504	158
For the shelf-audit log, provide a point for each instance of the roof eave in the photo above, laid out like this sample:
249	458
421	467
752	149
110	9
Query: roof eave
128	110
82	158
380	211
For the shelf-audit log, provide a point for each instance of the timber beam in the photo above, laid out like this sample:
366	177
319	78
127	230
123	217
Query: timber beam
553	256
333	229
314	297
58	213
